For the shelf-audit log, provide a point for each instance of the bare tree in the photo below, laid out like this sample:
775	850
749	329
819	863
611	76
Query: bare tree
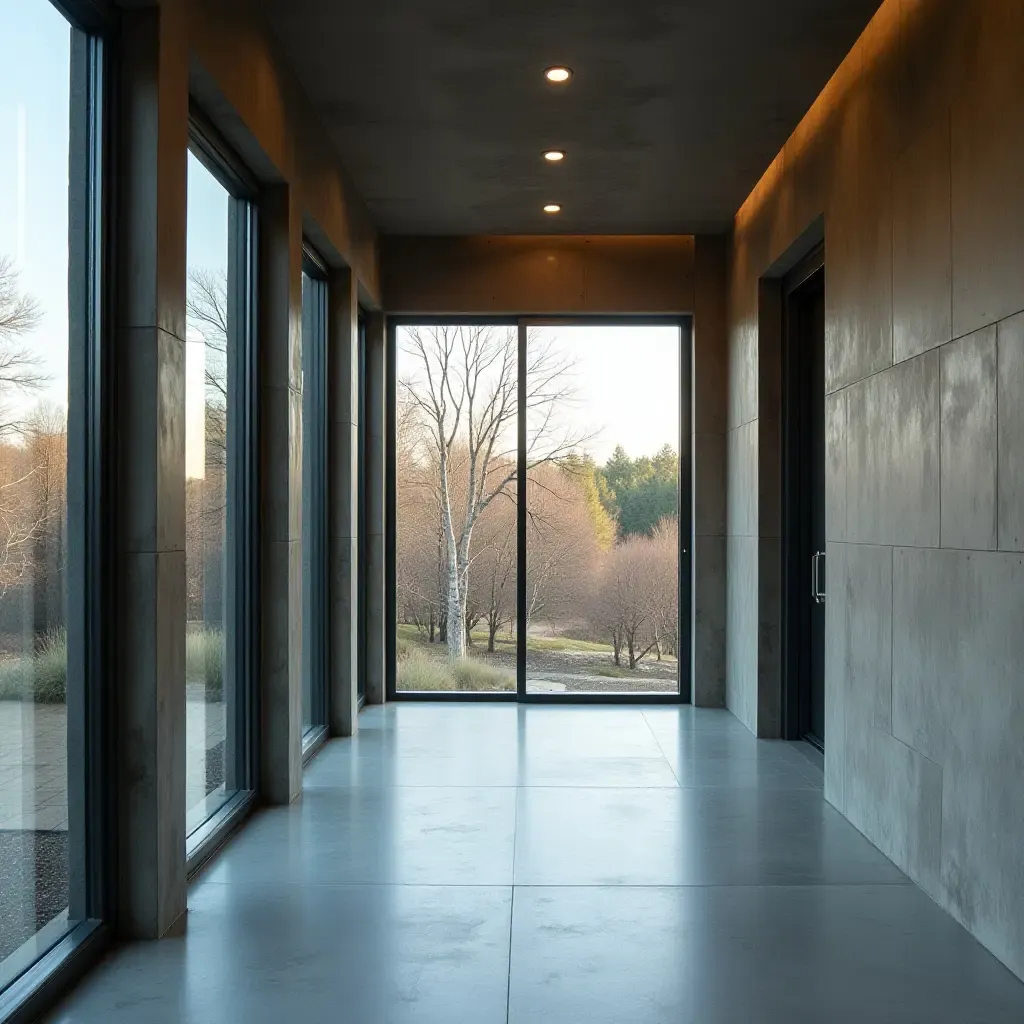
563	547
21	368
464	389
46	449
635	603
206	311
492	571
664	571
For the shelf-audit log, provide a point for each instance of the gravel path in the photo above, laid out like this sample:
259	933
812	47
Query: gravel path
33	884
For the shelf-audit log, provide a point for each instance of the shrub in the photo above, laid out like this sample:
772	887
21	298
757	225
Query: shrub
415	672
418	672
204	660
41	677
474	675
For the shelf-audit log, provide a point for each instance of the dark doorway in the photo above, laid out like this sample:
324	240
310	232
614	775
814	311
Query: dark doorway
804	499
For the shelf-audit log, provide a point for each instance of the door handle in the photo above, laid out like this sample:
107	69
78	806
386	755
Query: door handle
817	590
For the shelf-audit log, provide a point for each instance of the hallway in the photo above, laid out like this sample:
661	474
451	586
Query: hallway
488	863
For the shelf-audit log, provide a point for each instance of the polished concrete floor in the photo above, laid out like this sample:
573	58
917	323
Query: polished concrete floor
487	863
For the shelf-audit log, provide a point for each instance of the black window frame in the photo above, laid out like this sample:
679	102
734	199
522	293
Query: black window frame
522	323
362	541
91	260
315	576
242	582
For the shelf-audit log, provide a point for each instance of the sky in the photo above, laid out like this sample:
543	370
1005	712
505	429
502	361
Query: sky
624	383
35	56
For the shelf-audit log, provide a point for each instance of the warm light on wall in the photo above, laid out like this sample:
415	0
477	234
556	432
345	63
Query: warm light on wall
558	74
552	208
554	156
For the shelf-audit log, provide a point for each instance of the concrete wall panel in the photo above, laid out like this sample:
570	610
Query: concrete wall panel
893	444
542	274
709	621
741	621
742	463
836	438
957	698
987	118
769	637
1011	433
868	609
968	471
835	676
922	258
709	462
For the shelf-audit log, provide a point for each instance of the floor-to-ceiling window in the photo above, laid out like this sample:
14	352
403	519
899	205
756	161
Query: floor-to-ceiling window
602	508
455	495
363	549
314	497
219	445
577	590
51	88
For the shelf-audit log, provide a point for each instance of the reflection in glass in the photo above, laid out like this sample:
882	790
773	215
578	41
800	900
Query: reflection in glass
209	336
456	507
314	498
602	509
35	67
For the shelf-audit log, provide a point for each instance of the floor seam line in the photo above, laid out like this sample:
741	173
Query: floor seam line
654	736
512	906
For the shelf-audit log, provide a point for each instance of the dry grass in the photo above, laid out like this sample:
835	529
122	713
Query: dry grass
419	672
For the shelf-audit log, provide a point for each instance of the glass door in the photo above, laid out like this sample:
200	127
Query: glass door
601	454
582	591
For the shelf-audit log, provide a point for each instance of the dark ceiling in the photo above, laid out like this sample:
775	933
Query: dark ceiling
440	112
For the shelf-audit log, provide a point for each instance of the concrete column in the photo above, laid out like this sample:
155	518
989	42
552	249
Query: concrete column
343	498
373	586
280	339
710	362
148	503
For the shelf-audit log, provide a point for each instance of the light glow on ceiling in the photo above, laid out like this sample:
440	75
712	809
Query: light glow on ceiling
558	74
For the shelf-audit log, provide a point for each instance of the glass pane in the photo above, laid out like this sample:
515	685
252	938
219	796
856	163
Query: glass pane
602	504
35	62
314	544
363	547
208	339
456	507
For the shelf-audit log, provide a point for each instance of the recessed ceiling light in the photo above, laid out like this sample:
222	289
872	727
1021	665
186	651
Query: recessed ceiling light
558	74
552	208
553	156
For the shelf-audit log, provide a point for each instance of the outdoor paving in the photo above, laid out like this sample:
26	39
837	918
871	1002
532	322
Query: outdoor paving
34	806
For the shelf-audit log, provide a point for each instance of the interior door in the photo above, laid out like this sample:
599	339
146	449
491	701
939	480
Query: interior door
814	320
804	503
